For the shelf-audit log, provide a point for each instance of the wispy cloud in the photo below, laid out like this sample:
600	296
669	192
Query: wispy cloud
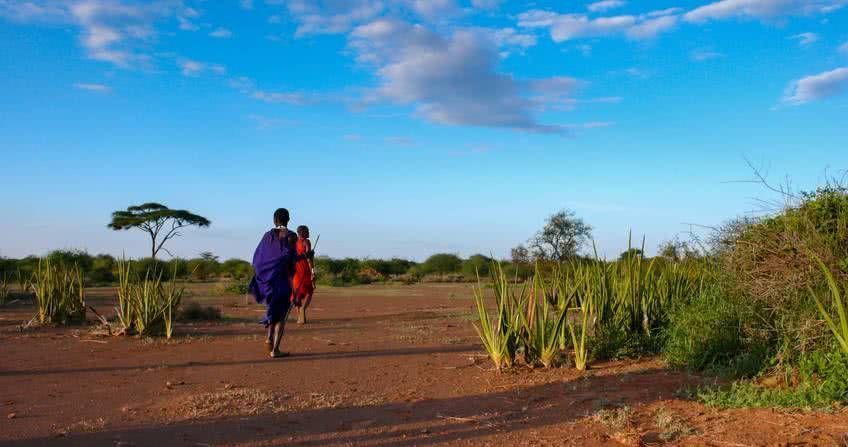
805	39
563	27
817	87
100	88
119	32
761	9
844	48
221	33
605	5
246	4
189	67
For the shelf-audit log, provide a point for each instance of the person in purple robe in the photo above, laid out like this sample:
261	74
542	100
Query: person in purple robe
274	265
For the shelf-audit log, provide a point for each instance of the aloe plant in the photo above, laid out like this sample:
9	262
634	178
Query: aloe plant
543	327
840	330
581	351
59	293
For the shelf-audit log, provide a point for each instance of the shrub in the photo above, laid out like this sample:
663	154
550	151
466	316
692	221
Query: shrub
441	263
819	381
195	312
708	332
237	269
476	265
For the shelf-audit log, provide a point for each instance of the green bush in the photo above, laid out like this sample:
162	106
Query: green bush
476	265
441	263
819	382
236	269
707	333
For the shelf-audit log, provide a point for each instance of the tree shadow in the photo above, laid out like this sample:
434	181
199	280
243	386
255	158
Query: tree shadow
424	422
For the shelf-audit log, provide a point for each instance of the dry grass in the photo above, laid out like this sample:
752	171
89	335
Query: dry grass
671	425
615	419
250	402
84	425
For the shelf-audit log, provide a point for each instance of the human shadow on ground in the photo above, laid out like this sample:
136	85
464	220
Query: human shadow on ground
424	422
295	357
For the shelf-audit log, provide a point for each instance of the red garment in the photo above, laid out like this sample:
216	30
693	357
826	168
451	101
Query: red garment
302	285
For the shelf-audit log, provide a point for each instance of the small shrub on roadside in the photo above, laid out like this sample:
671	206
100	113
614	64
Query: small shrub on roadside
194	311
818	383
708	332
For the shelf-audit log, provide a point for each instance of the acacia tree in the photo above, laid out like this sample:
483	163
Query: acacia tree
562	237
159	221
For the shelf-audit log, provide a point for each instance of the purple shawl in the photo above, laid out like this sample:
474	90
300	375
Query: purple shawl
273	264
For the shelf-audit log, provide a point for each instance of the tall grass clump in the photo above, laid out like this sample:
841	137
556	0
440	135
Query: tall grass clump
838	328
59	293
543	323
499	334
4	290
147	305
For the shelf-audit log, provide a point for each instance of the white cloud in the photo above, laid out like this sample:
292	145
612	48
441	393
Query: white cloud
93	87
605	5
451	79
816	87
434	9
652	27
488	5
761	9
246	4
332	17
115	31
805	39
564	27
704	54
189	67
221	33
844	48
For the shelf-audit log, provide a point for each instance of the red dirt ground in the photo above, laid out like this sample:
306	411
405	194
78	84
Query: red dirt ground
381	366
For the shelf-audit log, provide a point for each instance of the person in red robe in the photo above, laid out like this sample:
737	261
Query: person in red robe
303	281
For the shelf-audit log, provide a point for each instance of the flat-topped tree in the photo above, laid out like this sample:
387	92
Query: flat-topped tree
159	221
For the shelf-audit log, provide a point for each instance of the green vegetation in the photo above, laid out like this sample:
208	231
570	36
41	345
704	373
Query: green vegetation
147	305
581	303
762	305
59	293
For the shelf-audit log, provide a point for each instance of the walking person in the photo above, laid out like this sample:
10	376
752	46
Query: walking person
303	281
274	265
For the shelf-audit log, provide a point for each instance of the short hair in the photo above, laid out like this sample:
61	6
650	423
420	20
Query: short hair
302	230
281	216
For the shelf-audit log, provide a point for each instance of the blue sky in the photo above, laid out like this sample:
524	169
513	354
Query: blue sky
408	127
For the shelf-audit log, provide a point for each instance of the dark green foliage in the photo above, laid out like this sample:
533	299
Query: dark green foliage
819	381
236	269
441	263
476	265
610	343
195	312
202	269
630	253
707	333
